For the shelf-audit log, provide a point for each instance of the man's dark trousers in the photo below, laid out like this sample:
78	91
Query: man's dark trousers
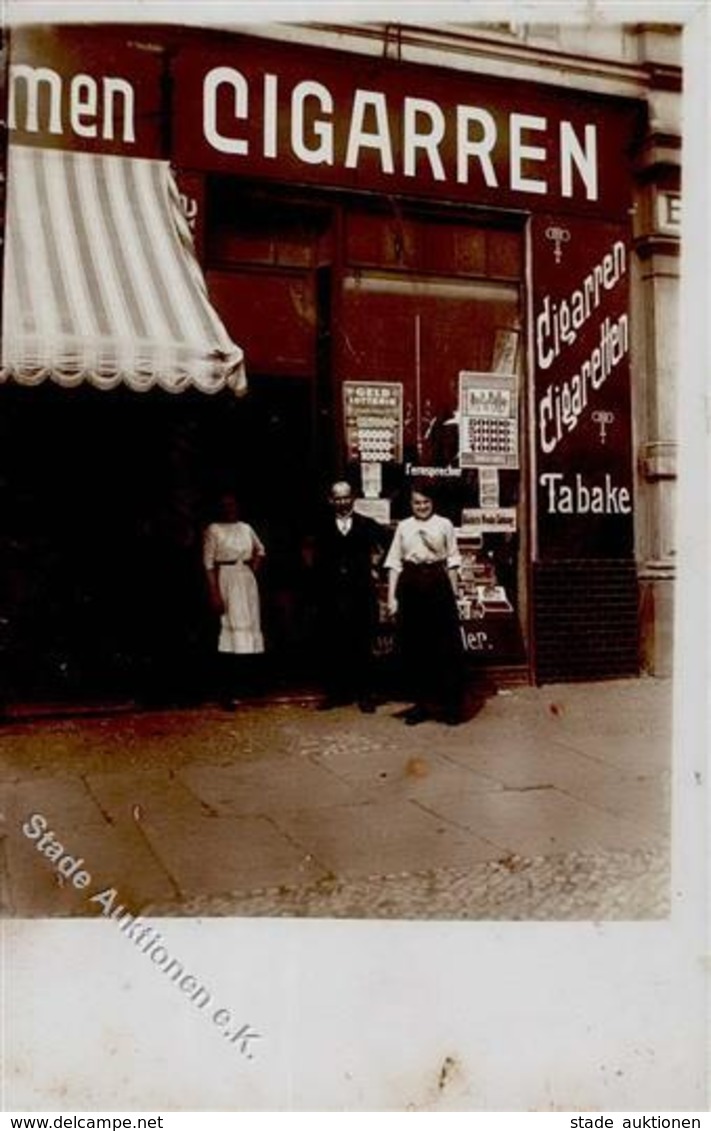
348	606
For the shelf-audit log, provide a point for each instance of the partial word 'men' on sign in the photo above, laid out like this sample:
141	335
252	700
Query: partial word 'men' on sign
42	100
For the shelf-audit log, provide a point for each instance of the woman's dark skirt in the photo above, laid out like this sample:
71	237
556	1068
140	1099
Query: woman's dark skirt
429	638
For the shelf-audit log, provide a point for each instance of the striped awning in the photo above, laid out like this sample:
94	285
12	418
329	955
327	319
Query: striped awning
101	283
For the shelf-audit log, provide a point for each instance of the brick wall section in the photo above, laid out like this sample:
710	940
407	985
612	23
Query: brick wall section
586	620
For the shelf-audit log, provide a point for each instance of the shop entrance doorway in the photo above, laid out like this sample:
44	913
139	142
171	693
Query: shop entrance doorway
453	346
105	496
343	292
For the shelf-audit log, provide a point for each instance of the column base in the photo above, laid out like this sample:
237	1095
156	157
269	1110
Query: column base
656	619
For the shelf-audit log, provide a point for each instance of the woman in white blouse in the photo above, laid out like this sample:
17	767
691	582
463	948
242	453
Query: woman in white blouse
422	561
232	553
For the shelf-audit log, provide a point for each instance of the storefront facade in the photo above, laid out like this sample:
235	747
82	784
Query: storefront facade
433	271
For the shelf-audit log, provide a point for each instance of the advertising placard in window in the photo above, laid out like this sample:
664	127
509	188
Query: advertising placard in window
488	420
372	416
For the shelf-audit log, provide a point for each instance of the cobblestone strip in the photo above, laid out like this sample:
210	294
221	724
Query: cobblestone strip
578	886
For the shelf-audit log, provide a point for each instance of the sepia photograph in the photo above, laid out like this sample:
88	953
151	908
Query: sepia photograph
339	454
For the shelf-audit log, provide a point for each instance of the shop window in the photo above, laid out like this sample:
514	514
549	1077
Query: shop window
431	336
423	332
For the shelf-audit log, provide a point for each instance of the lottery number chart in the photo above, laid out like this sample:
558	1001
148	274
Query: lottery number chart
372	413
376	444
487	437
488	425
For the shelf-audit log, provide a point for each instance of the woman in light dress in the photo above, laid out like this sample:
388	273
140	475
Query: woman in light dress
232	553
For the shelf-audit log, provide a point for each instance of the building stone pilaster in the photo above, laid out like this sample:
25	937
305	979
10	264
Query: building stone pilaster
656	315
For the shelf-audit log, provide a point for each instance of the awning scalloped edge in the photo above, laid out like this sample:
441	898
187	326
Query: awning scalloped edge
101	284
174	380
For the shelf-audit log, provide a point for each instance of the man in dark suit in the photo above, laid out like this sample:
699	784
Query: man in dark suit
348	550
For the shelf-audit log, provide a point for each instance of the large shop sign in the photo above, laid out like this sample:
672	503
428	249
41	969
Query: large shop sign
306	115
85	90
583	445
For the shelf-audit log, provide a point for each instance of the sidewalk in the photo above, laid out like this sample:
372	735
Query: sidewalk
552	803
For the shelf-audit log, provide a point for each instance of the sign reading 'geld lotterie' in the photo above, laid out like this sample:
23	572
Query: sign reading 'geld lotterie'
581	338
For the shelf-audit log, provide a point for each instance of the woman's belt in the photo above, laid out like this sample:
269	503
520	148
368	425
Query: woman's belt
425	565
232	561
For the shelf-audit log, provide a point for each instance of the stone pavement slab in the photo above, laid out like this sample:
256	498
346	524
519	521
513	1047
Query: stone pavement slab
621	790
218	855
543	821
526	761
405	771
64	801
629	753
392	836
115	857
265	787
124	796
646	801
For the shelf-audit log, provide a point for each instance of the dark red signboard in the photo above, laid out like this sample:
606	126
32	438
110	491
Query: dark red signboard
582	432
89	89
250	108
313	116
